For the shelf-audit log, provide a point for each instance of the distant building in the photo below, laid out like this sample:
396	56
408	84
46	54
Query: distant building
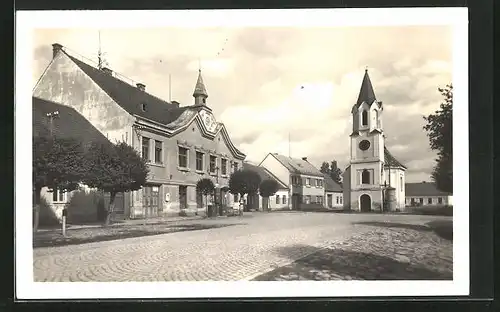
182	144
426	194
375	179
333	193
280	200
306	182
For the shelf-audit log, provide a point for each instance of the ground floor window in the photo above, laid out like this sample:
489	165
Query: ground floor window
440	200
319	200
341	200
58	196
307	199
235	198
429	200
277	199
284	199
337	199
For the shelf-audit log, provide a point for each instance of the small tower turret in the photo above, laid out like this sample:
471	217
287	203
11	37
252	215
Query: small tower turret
200	92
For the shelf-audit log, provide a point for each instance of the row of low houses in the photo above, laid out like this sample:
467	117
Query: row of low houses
183	144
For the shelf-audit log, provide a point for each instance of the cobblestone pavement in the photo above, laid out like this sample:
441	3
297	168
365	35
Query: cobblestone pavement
391	251
241	252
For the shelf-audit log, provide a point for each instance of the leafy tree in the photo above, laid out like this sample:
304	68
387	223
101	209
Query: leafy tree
325	168
116	168
58	164
268	188
244	182
335	172
439	129
332	170
205	186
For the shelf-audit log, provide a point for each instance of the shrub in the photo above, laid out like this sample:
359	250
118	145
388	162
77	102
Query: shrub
84	207
47	216
432	210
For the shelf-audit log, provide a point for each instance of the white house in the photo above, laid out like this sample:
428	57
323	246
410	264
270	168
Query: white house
334	197
278	201
426	194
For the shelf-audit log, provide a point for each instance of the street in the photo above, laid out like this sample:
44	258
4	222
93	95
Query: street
251	246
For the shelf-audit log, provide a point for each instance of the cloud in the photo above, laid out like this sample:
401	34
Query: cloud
268	83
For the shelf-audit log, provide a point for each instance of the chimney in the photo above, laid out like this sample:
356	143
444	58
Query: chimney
141	86
304	158
175	103
107	70
56	47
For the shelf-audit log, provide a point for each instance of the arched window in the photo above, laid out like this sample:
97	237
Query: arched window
364	118
365	177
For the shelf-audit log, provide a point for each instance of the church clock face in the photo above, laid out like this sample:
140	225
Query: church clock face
364	145
209	121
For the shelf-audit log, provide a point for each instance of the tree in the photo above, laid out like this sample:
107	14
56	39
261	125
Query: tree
332	170
439	129
205	186
325	168
268	188
116	168
58	164
335	172
244	182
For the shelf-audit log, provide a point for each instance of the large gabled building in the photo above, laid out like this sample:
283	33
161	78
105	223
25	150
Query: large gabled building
278	201
182	144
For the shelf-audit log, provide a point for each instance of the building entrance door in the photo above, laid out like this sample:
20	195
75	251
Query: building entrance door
366	203
182	197
151	200
295	201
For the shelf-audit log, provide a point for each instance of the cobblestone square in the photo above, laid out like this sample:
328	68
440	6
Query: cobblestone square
266	246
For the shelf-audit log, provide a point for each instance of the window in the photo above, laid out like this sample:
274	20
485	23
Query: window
199	161
223	164
307	199
364	118
440	200
429	200
183	157
158	150
319	199
145	148
235	166
317	182
341	200
365	177
401	183
321	183
283	201
58	196
213	163
308	181
235	198
277	199
337	199
421	200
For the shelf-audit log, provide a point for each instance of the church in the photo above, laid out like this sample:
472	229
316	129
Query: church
374	179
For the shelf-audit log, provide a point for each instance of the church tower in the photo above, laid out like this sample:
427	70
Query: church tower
200	92
365	175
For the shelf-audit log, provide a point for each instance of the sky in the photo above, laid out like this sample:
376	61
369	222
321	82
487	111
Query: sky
274	83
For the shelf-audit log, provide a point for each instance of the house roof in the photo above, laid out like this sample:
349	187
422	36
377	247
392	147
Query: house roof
295	165
331	185
391	160
264	174
130	97
423	189
68	124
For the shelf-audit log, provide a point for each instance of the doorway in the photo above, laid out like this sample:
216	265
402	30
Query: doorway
151	200
182	197
295	201
366	203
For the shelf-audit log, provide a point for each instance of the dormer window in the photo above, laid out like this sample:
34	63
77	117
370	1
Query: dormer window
364	118
143	107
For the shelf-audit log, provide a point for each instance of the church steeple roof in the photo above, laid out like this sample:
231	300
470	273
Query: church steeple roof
366	93
199	89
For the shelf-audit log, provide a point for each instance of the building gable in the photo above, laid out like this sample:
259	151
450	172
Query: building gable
64	82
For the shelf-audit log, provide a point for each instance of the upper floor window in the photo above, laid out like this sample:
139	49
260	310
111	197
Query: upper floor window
308	181
145	148
183	157
213	163
364	118
199	161
365	177
223	165
158	152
